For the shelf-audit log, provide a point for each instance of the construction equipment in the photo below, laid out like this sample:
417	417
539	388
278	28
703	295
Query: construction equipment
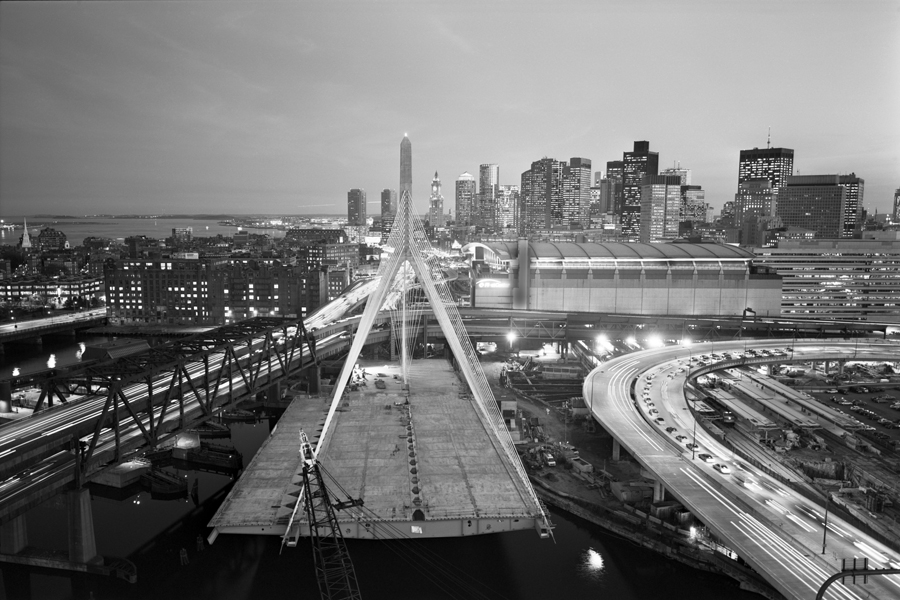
334	568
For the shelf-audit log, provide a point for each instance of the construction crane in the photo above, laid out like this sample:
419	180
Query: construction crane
334	569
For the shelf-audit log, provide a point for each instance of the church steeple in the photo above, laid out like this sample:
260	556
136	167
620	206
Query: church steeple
26	239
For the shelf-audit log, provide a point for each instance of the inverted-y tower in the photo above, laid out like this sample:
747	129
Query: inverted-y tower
405	167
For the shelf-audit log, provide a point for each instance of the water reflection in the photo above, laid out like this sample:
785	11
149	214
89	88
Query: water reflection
592	565
80	350
15	372
51	362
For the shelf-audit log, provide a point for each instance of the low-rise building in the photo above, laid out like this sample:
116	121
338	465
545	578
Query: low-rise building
675	279
843	279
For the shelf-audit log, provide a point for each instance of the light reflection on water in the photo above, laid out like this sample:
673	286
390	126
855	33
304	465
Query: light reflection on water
593	566
51	362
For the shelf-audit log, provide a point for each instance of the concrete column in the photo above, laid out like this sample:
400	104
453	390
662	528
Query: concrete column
273	392
617	450
5	397
82	545
313	374
659	492
841	367
13	536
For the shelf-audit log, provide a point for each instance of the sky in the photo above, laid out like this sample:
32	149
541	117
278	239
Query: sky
283	107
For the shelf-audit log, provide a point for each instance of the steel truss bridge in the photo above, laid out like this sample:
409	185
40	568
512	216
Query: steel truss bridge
90	416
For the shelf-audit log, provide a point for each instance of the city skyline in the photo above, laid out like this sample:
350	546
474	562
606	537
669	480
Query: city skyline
186	107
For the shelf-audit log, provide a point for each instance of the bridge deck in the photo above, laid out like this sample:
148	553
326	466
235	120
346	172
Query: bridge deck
460	484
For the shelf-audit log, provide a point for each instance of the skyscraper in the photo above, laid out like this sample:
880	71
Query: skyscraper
356	207
615	174
388	202
436	203
684	174
774	164
577	193
815	202
856	188
466	203
507	207
488	180
754	198
541	198
660	207
693	204
405	167
637	164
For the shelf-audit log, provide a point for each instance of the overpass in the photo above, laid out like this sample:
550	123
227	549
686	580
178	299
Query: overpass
32	331
775	530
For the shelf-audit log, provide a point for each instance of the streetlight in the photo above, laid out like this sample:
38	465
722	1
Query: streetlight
510	337
694	445
825	528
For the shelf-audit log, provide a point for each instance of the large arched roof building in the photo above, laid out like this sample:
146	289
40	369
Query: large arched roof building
627	278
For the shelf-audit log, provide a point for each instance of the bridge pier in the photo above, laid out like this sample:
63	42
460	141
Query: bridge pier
82	545
616	450
273	392
659	492
5	397
13	536
313	374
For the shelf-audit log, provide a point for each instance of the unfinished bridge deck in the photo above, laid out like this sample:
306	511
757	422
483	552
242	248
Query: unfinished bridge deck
455	480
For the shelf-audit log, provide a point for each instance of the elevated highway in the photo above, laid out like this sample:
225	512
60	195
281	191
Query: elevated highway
774	529
31	331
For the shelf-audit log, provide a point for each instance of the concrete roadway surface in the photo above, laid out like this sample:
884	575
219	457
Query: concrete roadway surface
778	532
17	326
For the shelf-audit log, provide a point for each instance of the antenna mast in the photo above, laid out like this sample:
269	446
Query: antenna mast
769	141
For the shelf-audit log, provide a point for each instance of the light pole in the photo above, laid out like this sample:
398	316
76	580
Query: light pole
825	528
694	444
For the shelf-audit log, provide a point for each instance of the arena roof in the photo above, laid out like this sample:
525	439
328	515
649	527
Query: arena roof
622	251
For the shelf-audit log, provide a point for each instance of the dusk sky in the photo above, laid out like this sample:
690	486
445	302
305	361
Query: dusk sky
282	107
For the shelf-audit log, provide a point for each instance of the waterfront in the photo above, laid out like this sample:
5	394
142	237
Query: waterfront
78	228
584	562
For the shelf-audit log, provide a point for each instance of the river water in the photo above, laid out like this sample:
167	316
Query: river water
583	562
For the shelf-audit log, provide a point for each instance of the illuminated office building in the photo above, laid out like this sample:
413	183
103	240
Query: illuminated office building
814	202
507	207
488	180
577	193
856	188
636	165
466	201
660	208
388	202
774	164
841	279
356	207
